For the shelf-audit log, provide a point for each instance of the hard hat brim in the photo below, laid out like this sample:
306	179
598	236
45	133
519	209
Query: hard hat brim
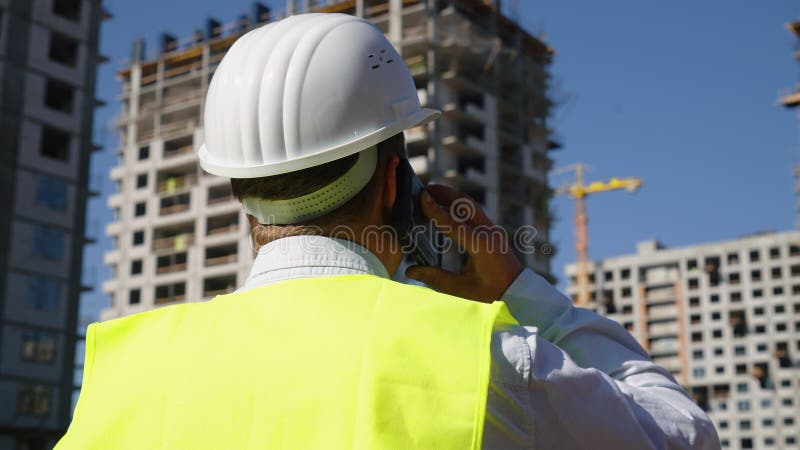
418	118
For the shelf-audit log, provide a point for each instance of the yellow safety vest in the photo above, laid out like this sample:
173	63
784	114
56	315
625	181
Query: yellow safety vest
340	362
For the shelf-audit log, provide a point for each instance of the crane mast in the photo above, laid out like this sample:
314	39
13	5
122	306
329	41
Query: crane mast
578	191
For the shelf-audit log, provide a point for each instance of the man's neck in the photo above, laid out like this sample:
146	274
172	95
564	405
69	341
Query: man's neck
311	256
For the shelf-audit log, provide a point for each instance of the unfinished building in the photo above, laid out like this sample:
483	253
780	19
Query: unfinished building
724	318
178	234
48	63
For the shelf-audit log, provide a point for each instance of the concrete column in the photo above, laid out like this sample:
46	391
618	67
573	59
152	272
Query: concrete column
396	22
159	101
204	81
492	155
434	101
133	106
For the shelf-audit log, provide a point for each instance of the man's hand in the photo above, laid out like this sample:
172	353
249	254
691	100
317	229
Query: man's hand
491	266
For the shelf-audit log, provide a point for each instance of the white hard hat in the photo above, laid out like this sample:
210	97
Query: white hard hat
304	91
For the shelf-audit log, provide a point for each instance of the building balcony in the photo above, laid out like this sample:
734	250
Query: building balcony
145	135
183	100
121	120
224	229
466	181
171	185
112	257
660	276
457	79
110	286
182	73
219	194
217	292
114	228
475	111
664	329
213	287
468	113
176	262
418	65
416	134
664	347
466	144
117	173
221	260
174	209
115	200
509	136
177	127
160	300
671	363
225	254
662	312
147	106
171	268
175	204
148	80
660	296
415	34
176	243
222	224
177	151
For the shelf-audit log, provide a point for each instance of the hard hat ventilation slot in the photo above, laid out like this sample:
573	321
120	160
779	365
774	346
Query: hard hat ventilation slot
372	60
380	59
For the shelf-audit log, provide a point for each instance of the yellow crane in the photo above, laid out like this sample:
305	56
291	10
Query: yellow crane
578	190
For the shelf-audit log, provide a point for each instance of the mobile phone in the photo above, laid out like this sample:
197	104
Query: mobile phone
418	235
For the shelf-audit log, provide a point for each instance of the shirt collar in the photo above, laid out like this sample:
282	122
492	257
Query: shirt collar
309	256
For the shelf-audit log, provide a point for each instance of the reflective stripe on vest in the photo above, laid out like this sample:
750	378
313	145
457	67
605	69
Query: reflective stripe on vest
340	362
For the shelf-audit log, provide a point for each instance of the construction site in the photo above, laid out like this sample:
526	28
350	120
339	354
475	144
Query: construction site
179	235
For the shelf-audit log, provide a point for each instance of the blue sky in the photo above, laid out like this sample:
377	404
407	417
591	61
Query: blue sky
681	93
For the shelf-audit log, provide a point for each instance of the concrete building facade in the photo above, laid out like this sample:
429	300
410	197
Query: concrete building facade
724	318
48	61
180	236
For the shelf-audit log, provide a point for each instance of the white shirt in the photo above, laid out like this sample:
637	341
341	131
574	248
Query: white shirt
565	378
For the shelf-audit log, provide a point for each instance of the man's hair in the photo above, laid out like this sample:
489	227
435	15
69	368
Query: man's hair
306	181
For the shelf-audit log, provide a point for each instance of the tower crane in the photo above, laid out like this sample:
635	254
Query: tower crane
578	190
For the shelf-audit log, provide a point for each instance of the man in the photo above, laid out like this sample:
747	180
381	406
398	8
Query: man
319	348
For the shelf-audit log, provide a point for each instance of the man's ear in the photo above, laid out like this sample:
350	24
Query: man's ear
252	221
390	180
